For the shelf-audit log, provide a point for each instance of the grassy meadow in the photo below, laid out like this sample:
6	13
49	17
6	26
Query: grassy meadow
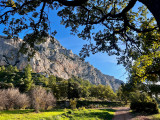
66	114
28	115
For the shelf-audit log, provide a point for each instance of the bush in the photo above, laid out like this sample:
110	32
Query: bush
73	104
3	99
40	99
96	104
49	100
23	101
147	107
142	102
12	98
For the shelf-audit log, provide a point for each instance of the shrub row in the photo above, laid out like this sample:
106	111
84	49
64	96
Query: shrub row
89	104
38	98
147	107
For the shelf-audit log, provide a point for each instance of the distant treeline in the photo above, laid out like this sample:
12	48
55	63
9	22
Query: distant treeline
11	77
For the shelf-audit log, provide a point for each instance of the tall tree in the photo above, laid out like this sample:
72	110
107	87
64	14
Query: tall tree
73	89
28	78
146	62
118	21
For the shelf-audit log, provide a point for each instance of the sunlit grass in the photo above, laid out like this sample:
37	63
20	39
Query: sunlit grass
85	114
94	114
89	114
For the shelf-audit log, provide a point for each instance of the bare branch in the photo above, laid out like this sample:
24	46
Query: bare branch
127	8
41	15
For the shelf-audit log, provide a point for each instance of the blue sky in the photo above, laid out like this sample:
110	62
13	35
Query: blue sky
106	64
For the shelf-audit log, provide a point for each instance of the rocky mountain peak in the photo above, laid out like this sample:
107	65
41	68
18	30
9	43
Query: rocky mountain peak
53	59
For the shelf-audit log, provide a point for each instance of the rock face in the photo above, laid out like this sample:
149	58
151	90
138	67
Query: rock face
52	58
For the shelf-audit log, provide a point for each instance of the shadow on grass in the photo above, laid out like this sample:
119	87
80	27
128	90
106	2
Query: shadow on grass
27	111
16	111
53	110
102	114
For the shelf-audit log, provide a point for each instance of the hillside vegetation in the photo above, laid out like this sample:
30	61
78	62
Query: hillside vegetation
11	77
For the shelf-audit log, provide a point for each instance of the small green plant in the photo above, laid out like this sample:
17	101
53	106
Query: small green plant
65	110
58	117
81	108
73	104
75	109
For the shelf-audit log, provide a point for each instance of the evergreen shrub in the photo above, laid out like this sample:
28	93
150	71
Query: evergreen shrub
147	107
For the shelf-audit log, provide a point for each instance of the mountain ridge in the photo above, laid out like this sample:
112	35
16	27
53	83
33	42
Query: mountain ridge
53	59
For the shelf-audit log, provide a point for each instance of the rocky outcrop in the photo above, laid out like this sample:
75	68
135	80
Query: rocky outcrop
52	58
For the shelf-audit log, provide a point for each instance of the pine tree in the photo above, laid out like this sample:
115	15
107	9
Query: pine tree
28	77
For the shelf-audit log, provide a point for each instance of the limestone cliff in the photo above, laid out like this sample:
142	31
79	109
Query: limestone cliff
53	58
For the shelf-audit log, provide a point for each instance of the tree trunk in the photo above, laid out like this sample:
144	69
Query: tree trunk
154	7
156	95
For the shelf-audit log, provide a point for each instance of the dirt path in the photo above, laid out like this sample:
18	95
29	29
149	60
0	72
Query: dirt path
122	113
